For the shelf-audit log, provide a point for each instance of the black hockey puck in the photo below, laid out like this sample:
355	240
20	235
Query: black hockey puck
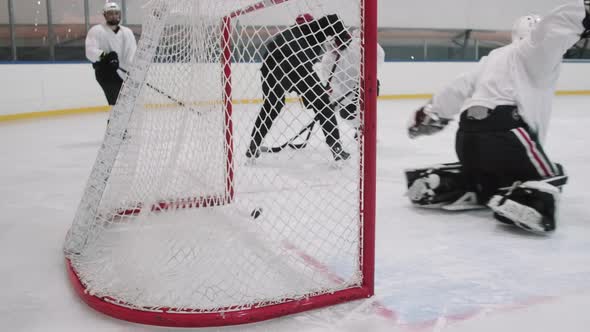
256	213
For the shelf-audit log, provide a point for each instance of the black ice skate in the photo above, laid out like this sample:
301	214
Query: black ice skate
339	153
253	151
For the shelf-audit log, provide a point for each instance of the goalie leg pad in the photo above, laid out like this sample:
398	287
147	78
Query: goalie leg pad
531	206
435	186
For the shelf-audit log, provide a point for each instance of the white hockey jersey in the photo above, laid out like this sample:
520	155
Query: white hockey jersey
101	38
340	70
523	73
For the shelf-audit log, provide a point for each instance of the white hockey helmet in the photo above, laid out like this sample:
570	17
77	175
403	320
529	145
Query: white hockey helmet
111	6
524	26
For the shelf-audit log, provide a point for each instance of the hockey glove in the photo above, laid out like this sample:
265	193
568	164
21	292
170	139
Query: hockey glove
425	122
111	60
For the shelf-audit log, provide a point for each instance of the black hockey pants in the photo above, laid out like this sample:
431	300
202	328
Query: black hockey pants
109	81
498	149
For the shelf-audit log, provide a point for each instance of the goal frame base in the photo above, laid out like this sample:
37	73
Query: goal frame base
169	318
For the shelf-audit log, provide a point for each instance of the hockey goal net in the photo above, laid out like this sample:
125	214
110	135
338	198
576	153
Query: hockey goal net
177	226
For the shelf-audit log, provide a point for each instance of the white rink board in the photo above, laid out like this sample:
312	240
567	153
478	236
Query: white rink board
46	87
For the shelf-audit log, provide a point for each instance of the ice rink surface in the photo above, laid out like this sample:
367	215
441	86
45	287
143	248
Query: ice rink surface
435	271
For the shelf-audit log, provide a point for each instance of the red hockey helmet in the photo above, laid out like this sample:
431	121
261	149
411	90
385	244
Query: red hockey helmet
304	18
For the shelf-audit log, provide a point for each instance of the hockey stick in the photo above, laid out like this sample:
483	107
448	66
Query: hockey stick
339	101
289	143
308	128
178	102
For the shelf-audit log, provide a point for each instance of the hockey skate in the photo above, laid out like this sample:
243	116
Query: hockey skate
253	151
339	153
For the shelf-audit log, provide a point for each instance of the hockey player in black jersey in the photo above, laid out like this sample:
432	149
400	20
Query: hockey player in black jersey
287	66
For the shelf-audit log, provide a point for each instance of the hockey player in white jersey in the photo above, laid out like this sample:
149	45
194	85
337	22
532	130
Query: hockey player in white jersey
505	107
340	72
110	46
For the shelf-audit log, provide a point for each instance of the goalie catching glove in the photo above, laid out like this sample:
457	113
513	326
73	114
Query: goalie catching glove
426	122
110	60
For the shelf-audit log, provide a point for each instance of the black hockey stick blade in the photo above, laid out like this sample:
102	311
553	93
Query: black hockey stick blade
289	143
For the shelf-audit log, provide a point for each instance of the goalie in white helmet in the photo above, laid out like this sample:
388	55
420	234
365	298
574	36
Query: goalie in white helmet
110	47
504	106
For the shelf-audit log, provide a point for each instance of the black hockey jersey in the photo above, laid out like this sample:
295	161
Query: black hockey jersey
298	47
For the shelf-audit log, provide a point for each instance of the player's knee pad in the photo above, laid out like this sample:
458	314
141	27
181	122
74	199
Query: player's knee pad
435	186
348	112
531	206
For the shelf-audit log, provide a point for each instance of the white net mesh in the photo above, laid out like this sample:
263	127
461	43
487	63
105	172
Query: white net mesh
165	221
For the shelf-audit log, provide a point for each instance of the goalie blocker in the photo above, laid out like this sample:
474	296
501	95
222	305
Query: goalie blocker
531	205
